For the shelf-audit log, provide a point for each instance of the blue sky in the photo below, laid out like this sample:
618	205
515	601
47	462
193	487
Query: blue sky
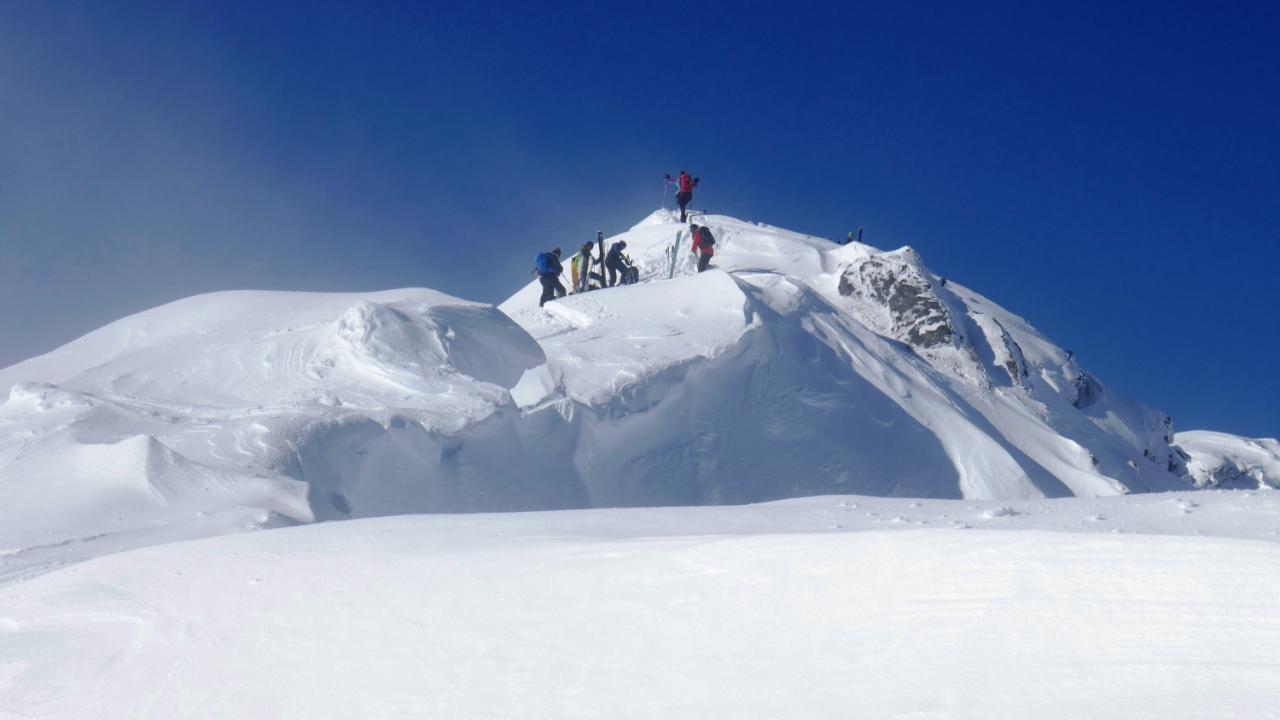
1110	171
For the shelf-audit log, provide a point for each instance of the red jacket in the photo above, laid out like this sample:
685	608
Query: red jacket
686	183
697	243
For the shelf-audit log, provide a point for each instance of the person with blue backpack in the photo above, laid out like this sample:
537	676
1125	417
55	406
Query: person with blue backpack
549	270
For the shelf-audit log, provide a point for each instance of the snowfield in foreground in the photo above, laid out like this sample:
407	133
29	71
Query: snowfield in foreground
831	607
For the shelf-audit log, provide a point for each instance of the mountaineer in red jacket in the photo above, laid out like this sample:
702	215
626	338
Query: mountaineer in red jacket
684	190
704	243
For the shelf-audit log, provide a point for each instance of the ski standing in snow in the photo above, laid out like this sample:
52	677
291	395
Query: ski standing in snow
582	269
600	260
549	270
673	254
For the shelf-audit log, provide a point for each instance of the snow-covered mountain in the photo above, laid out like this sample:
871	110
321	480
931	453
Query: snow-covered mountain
794	367
800	366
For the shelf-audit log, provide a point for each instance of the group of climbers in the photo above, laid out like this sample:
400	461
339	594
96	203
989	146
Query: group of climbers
614	267
704	243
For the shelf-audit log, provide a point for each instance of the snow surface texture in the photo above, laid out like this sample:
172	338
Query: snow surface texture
795	367
815	608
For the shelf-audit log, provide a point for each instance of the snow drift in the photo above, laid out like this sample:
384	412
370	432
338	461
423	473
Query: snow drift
249	409
794	367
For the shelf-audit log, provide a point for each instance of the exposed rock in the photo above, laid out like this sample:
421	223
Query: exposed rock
919	317
1088	390
1015	363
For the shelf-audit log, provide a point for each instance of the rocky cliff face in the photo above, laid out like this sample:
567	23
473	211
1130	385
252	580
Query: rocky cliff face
916	315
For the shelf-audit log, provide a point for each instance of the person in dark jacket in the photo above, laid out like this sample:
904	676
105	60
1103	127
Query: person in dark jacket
685	184
704	245
613	262
549	270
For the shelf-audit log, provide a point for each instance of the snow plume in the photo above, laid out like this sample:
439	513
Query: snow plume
793	367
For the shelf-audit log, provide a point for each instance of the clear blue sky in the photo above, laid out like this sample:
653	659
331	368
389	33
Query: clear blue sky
1110	171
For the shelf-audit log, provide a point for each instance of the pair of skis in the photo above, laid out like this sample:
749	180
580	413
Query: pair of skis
582	275
581	265
673	254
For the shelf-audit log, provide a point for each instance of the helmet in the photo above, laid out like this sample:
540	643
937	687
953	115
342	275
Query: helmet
556	251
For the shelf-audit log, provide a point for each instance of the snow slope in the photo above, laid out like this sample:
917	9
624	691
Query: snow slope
778	610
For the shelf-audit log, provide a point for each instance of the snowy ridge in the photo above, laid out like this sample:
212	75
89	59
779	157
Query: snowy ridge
995	409
794	367
1229	461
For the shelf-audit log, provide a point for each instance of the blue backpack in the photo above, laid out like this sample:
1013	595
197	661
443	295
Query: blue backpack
543	262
